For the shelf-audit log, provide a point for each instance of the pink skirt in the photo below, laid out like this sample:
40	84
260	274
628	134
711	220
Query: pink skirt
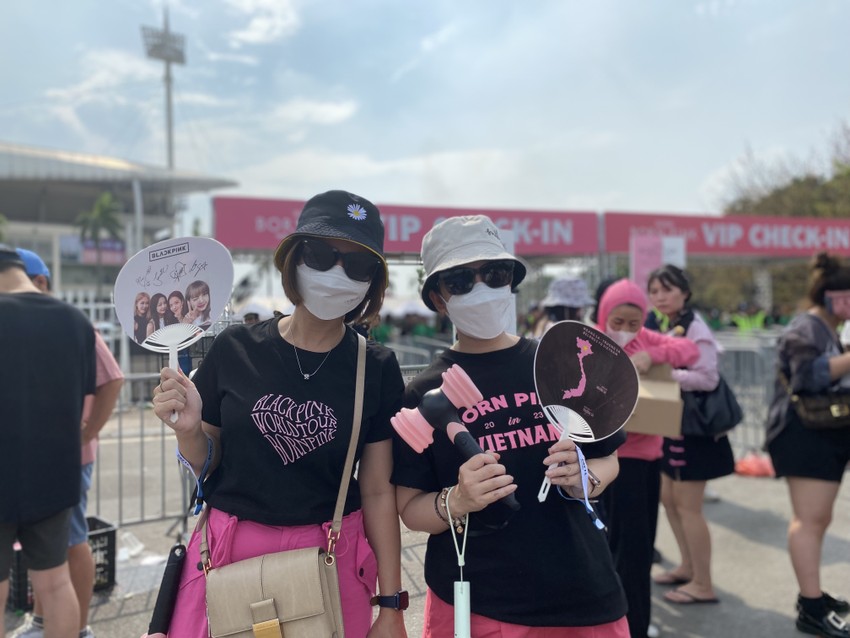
231	540
439	622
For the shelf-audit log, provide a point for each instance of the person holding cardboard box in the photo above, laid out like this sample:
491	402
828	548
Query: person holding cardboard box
689	461
631	503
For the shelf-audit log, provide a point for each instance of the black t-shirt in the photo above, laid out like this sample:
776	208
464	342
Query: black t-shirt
548	566
284	438
48	366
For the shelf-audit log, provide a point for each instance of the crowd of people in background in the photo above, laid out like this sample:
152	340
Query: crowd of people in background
334	270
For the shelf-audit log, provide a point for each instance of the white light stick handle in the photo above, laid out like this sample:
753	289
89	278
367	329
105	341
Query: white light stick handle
461	604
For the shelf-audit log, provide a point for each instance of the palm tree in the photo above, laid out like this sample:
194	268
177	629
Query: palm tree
104	217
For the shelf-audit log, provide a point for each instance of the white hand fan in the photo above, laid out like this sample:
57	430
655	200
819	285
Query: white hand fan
168	294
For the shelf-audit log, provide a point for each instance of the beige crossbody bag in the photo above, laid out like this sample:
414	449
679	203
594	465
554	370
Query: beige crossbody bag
291	594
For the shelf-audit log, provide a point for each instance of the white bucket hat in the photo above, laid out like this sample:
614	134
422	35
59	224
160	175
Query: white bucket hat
462	240
569	292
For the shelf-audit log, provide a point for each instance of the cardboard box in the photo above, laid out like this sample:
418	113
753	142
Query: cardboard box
659	406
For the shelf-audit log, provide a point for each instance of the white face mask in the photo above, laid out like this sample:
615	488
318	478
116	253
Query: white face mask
621	337
482	313
329	294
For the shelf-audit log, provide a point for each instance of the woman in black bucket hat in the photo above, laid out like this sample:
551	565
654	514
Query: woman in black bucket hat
273	404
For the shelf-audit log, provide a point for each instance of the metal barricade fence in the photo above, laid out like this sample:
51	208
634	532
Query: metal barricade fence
137	478
748	365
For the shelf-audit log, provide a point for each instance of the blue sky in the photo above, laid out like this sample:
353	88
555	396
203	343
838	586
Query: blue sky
551	104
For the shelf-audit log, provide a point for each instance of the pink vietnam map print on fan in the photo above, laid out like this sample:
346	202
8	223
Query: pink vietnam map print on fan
293	429
584	350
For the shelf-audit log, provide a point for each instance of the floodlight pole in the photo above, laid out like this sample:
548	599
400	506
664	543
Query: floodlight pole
169	117
170	48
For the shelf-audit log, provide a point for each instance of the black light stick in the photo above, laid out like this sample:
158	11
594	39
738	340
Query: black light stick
438	411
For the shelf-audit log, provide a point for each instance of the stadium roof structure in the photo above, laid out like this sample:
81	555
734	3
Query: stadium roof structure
52	186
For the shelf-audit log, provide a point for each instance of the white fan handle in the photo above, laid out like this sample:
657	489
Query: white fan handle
173	363
547	482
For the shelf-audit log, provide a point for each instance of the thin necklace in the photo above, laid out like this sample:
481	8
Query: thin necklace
298	361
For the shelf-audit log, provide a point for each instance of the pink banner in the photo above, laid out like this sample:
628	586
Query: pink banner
647	254
754	236
259	224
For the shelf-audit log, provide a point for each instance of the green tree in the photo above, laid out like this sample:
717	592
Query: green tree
790	188
783	189
104	218
2	228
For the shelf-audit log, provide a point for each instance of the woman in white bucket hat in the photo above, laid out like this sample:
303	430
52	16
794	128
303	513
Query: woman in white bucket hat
566	300
542	570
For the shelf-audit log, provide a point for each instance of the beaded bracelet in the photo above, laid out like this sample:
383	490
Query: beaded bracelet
456	522
437	497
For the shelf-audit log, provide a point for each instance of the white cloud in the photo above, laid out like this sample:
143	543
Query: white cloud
304	111
427	46
314	169
203	99
435	40
105	73
248	60
438	179
405	68
269	20
238	58
68	116
105	70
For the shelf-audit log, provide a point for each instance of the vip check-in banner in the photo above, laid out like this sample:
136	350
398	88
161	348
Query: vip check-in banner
751	236
260	224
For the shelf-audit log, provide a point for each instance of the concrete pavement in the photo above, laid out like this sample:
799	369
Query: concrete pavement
752	573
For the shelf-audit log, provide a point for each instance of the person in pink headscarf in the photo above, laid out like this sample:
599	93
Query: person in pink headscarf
631	504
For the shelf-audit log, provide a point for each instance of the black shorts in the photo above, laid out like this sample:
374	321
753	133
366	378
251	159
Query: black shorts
816	454
697	458
44	543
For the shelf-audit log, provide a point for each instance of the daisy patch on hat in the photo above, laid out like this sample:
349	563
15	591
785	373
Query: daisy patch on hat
356	211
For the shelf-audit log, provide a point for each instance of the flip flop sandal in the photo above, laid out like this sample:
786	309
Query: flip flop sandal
669	579
688	599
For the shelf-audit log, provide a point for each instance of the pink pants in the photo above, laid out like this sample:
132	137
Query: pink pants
231	540
439	622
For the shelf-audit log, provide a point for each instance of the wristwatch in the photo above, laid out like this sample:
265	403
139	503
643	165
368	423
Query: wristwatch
398	600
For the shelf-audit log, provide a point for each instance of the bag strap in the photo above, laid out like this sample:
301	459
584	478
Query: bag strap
336	524
783	379
831	334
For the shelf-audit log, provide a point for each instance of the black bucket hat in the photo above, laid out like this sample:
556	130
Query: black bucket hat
338	215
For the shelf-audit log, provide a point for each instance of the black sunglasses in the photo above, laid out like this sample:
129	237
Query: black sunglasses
460	280
359	266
